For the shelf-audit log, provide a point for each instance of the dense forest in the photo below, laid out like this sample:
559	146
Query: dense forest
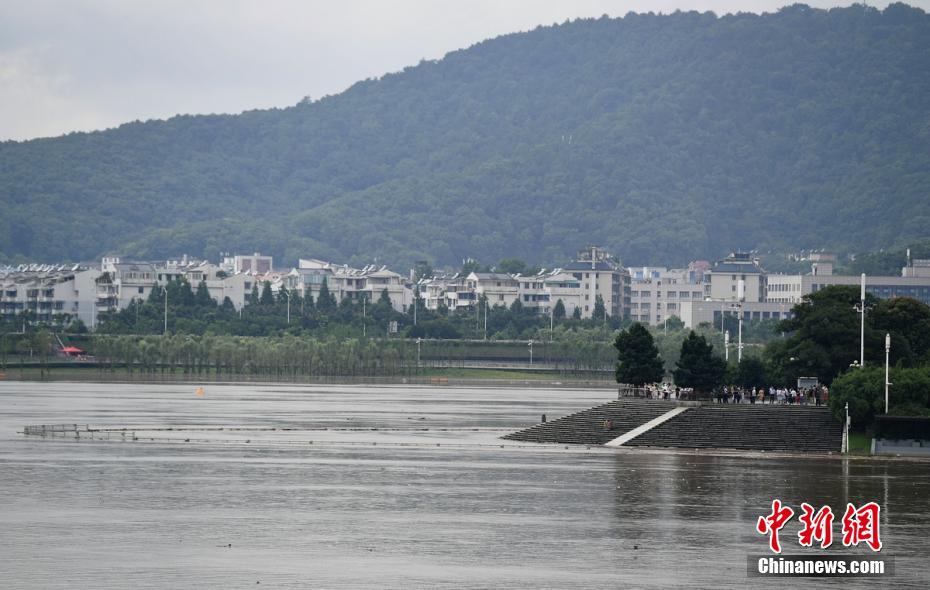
662	137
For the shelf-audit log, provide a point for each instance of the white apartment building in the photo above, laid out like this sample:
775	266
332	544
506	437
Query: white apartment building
661	294
497	287
345	282
724	277
601	274
543	291
48	291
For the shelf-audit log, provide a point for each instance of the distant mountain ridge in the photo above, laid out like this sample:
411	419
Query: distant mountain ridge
661	137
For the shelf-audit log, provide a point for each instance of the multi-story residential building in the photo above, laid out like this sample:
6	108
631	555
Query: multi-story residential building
497	287
49	292
543	291
724	277
121	282
660	295
345	282
255	264
601	274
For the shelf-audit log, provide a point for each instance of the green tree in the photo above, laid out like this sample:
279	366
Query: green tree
698	367
638	359
576	314
600	313
824	334
864	390
267	297
751	372
325	301
558	312
253	296
202	297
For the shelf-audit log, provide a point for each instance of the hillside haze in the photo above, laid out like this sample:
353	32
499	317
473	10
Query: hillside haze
663	138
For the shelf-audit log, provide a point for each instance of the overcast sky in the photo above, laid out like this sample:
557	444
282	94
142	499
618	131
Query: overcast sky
75	65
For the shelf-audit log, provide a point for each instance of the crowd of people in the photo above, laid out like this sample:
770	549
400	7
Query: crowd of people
731	394
813	396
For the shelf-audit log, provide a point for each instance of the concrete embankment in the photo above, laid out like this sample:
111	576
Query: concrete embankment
743	427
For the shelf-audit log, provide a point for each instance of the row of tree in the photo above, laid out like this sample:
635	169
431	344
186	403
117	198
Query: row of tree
822	340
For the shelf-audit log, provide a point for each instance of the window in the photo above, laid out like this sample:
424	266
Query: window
684	294
141	289
500	297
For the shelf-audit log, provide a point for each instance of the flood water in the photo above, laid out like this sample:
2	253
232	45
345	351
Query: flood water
396	487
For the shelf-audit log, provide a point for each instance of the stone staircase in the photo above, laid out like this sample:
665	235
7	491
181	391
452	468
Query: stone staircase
728	426
748	427
587	427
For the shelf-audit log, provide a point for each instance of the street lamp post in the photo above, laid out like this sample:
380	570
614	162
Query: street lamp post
530	344
741	292
166	309
726	345
887	383
862	322
419	340
846	431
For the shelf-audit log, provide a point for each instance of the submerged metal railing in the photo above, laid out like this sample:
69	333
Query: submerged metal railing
77	431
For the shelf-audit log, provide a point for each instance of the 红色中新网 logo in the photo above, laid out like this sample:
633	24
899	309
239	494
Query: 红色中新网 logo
859	525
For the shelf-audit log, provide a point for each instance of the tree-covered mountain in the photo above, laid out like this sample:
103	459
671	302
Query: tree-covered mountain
661	137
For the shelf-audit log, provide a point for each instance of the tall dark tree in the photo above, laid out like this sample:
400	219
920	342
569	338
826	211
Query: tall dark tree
824	334
698	367
600	313
202	296
638	359
750	372
325	301
267	297
558	312
252	298
576	314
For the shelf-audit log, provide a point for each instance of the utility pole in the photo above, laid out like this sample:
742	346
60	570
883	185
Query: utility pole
551	320
364	321
166	309
726	345
887	383
741	292
530	344
862	324
485	319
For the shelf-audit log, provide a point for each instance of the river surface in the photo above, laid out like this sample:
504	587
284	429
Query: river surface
397	487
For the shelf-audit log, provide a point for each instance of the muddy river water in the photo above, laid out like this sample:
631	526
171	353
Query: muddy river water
284	486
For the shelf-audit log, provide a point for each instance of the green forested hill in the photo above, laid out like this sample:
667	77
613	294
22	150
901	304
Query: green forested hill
663	138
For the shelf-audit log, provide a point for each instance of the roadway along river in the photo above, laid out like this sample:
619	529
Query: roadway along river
396	487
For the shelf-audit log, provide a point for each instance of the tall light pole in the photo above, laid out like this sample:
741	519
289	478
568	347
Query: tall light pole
287	295
862	322
166	309
726	345
485	318
551	320
741	293
419	340
887	383
530	344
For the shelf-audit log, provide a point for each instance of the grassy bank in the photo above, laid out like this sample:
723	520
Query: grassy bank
426	375
860	443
